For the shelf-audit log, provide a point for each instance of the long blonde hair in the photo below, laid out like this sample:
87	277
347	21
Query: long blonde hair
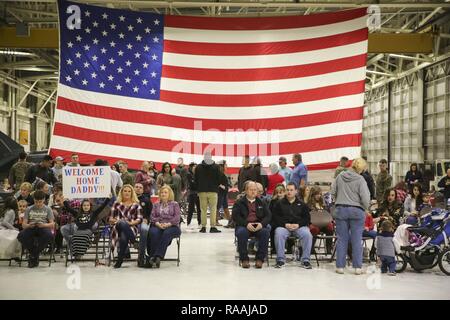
134	197
171	194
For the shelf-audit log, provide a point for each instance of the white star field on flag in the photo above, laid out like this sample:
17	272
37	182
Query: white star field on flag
114	54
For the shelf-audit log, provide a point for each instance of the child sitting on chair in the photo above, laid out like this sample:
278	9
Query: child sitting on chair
38	223
84	226
23	205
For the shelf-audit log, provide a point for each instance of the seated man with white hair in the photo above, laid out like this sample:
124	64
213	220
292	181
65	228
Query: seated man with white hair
252	217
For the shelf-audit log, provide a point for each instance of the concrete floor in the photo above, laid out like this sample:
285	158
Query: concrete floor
208	270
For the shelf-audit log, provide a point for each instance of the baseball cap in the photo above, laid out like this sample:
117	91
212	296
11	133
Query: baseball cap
282	159
59	158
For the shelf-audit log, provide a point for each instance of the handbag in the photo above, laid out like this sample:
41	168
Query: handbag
321	218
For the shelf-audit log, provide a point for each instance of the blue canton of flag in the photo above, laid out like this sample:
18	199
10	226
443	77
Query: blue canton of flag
113	53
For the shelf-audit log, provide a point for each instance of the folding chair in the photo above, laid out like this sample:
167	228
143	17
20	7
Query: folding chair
51	248
364	243
366	247
236	256
296	251
177	259
9	260
322	245
99	240
132	250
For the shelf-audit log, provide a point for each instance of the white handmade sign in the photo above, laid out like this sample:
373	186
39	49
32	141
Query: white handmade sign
86	182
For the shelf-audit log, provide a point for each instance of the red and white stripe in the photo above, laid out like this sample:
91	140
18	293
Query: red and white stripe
301	77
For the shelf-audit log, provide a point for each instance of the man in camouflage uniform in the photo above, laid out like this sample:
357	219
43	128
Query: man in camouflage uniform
383	182
18	171
127	177
342	166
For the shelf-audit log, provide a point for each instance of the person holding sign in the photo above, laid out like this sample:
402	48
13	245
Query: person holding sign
84	226
125	216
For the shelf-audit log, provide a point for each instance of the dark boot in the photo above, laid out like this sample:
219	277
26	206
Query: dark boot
141	262
149	263
157	262
118	263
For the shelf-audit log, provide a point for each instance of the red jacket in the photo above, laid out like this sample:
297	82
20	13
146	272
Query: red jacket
369	222
273	180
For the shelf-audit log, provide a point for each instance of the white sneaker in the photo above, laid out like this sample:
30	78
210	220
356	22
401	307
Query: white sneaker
340	270
358	271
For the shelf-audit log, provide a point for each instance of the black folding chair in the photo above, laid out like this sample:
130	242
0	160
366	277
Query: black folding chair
51	258
98	247
177	259
250	240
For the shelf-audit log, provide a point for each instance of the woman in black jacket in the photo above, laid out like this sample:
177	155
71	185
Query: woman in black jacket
193	200
222	196
413	176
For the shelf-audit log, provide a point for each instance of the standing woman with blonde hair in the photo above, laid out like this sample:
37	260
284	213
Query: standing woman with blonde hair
125	216
165	220
352	200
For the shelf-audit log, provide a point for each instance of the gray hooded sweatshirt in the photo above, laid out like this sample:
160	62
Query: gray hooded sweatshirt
351	189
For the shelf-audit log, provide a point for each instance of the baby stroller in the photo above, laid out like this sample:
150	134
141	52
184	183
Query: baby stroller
427	245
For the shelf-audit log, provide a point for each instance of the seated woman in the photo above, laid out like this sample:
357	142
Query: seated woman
413	204
389	209
83	227
9	245
24	193
165	220
44	187
57	189
125	216
326	226
38	223
278	193
303	193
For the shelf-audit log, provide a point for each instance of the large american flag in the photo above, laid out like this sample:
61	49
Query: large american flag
140	86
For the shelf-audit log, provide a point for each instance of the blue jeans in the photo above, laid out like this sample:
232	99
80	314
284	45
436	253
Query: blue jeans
35	240
387	263
143	236
262	236
222	200
303	233
349	226
161	239
126	235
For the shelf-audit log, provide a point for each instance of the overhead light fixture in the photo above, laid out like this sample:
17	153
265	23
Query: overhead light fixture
16	53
